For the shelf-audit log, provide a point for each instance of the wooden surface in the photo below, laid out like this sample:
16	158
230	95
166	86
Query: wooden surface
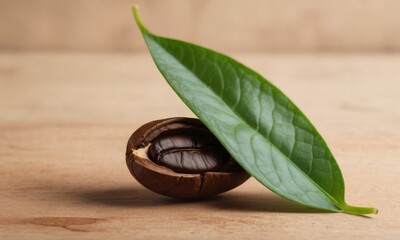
65	120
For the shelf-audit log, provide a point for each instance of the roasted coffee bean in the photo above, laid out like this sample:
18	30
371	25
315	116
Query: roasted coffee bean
180	157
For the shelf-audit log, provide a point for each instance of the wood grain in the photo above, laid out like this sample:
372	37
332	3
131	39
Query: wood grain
65	120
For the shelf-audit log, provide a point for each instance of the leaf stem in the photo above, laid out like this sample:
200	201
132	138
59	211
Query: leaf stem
135	12
359	210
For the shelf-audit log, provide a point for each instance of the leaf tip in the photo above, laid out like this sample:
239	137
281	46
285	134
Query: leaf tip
135	12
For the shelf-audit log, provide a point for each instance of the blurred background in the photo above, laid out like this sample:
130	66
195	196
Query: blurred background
229	26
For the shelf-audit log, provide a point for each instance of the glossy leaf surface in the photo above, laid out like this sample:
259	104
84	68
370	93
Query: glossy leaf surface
259	126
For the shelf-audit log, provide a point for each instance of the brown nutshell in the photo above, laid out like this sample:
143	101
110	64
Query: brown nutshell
181	158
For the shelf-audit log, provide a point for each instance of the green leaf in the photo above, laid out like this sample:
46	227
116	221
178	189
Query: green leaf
260	127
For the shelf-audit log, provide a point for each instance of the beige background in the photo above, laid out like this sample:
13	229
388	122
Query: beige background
226	25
